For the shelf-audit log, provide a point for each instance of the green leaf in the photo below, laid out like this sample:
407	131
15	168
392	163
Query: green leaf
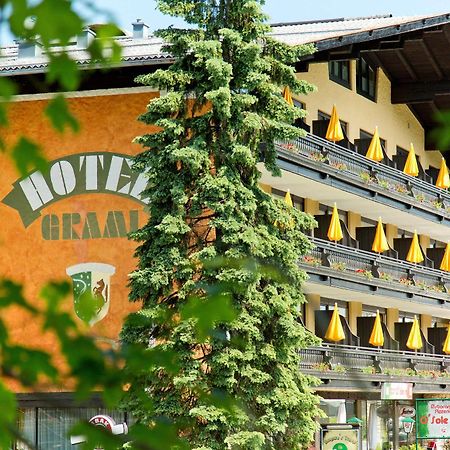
63	70
60	116
27	156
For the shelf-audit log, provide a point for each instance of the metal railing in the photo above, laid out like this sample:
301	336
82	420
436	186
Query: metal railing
335	358
358	169
396	273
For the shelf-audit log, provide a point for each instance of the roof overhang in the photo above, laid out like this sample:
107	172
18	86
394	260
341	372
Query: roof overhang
415	56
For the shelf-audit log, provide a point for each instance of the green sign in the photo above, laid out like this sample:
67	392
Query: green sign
433	418
340	439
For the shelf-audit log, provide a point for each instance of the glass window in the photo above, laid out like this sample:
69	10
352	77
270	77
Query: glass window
405	316
371	311
324	116
365	79
339	71
365	135
328	304
26	425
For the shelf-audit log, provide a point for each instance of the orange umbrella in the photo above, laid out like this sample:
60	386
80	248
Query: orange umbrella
288	96
334	131
375	152
380	243
415	254
443	179
411	167
377	337
445	263
335	230
414	341
446	346
335	332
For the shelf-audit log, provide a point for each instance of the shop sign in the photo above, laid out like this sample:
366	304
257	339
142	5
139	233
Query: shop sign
433	418
340	438
407	411
397	391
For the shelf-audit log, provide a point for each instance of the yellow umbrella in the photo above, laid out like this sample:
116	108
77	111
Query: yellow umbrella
446	346
334	131
335	332
414	341
445	263
287	95
415	254
288	199
411	167
375	152
377	338
443	179
380	243
335	230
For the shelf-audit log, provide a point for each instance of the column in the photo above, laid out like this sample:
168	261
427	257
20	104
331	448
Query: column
354	221
266	187
311	206
391	318
313	304
354	311
425	323
391	233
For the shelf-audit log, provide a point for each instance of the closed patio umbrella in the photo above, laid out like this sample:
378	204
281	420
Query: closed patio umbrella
414	341
443	179
335	331
376	337
334	230
411	168
415	254
287	95
445	263
375	152
446	346
380	243
288	199
334	130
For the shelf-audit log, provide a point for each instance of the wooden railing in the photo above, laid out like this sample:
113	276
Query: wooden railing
357	169
398	274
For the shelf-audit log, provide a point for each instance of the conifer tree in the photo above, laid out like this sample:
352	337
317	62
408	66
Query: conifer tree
220	117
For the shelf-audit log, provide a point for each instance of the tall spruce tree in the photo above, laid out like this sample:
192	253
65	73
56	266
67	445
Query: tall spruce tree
221	115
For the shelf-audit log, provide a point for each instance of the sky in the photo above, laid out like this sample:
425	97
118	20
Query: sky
126	11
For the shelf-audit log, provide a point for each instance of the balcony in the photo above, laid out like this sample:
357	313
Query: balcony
336	173
363	369
347	273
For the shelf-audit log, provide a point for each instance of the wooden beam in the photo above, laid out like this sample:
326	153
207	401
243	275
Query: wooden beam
432	59
418	92
407	65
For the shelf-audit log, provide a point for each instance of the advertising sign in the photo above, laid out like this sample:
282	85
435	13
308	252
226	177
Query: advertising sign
397	391
340	437
433	418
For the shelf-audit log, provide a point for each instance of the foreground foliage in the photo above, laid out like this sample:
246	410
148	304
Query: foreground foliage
222	114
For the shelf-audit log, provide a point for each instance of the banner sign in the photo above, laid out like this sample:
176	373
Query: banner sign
433	418
340	437
397	391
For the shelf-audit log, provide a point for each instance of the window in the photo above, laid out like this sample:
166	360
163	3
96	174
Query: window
299	202
324	116
327	304
404	316
365	135
371	311
366	79
339	71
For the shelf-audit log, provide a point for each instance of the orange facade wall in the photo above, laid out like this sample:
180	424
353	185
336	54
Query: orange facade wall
59	237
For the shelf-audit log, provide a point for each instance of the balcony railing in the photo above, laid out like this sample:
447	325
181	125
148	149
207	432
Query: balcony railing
358	170
368	364
378	270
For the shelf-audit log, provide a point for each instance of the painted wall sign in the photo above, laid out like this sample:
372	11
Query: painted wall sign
397	391
82	173
433	418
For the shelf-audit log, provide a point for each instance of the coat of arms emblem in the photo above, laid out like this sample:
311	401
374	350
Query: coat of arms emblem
91	290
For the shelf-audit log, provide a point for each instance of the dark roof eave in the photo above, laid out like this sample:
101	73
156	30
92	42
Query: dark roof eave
372	35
